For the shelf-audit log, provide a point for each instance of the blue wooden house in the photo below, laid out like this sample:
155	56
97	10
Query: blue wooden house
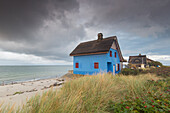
101	55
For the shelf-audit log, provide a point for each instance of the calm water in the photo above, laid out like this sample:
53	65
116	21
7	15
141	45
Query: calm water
10	74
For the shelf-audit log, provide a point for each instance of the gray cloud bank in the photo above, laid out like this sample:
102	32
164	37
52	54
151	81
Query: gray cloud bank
52	28
38	27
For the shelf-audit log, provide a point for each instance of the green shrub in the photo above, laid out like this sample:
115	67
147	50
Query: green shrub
128	71
153	101
163	71
155	63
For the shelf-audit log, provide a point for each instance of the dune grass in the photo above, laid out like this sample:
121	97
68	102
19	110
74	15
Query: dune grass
89	94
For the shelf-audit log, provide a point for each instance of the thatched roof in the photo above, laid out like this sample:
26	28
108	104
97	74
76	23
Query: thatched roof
131	57
140	57
97	47
143	57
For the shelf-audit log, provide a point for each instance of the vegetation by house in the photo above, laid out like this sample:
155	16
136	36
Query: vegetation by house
163	71
104	93
155	63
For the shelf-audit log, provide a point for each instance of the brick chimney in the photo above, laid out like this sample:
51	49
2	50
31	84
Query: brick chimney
100	36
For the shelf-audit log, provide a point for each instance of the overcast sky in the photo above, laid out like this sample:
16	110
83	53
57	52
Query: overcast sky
35	32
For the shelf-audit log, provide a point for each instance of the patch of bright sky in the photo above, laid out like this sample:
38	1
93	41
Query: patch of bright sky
11	58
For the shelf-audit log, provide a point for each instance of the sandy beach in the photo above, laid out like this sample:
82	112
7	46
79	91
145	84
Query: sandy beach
19	93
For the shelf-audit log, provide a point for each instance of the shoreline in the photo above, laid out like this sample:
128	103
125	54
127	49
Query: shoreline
18	93
17	74
2	83
8	82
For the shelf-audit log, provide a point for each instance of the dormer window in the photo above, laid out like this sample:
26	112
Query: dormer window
110	53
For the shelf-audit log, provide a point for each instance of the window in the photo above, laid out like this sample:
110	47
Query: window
77	65
118	67
115	54
137	61
96	65
110	53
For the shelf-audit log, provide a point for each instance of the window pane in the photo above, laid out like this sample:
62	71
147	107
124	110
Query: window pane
77	65
96	65
110	53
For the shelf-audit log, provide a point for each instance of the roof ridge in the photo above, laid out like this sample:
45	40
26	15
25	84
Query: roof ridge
101	40
137	56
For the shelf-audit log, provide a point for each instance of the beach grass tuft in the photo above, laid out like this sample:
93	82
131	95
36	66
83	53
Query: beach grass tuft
18	93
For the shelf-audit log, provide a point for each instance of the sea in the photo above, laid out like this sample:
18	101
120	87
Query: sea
15	74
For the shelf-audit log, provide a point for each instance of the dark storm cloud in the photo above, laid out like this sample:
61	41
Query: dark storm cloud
20	19
144	18
52	28
40	27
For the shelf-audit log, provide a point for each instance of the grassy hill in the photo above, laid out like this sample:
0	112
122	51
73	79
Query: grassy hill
103	93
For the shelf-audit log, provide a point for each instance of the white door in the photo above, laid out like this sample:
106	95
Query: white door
113	69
